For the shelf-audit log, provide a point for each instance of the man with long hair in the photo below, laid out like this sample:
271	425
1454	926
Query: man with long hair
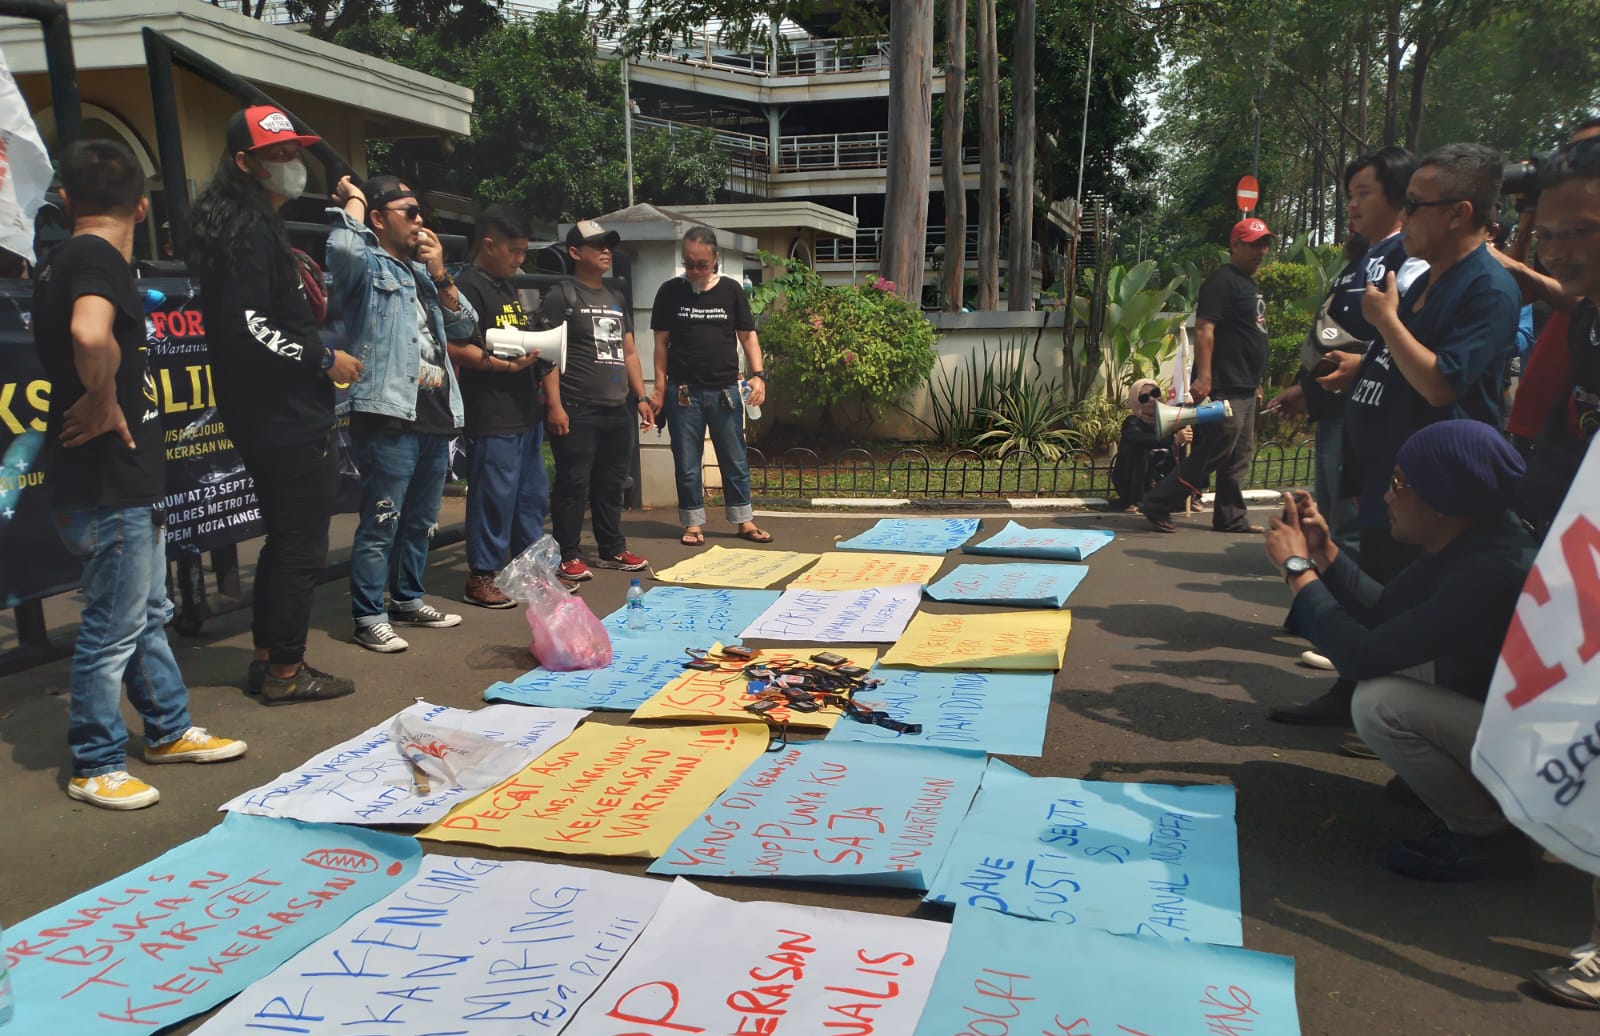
107	476
275	387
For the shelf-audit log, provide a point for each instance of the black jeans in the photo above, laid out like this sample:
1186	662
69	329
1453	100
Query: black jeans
591	468
296	487
1228	449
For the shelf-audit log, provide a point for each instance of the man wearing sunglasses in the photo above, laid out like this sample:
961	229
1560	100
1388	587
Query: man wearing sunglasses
400	308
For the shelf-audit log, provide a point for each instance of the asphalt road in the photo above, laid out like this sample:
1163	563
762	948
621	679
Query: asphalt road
1175	656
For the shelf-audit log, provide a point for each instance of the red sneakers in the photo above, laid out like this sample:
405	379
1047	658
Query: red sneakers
627	561
574	571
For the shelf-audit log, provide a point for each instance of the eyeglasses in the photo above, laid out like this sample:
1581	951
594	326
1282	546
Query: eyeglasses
696	265
1145	397
1412	204
410	212
1572	235
1397	482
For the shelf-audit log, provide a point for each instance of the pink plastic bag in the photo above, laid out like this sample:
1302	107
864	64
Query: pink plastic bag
566	634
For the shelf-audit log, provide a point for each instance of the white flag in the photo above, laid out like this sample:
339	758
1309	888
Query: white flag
25	170
1180	368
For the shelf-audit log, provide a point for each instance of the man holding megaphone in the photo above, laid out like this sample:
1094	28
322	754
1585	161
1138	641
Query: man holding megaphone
1230	358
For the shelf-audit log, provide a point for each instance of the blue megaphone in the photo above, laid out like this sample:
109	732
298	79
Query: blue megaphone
1170	418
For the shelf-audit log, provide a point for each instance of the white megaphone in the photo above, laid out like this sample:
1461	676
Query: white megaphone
1170	418
510	344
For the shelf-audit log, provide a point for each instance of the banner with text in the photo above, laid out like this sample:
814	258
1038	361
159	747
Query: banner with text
834	811
608	791
856	571
999	713
1011	640
192	927
467	945
1029	585
876	615
737	568
1005	974
639	668
722	693
1015	541
914	535
371	779
1135	859
711	965
695	616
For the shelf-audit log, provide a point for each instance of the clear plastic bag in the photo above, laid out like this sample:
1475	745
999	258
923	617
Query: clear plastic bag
566	634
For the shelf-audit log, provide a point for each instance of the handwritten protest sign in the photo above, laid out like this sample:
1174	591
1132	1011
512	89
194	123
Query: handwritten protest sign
1135	859
840	811
1009	975
1014	541
1000	713
608	791
750	569
467	945
876	615
192	927
721	694
366	780
1540	732
638	669
711	965
1010	640
914	535
855	571
1033	585
697	616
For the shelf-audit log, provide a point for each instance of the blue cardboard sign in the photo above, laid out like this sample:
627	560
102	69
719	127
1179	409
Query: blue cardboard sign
914	535
177	935
1029	585
1005	974
1014	541
1002	713
1137	859
640	666
694	615
833	811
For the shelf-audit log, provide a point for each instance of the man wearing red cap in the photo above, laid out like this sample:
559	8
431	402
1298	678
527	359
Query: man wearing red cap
1230	356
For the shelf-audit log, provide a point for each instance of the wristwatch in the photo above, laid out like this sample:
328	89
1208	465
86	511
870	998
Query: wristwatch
1296	565
443	282
756	374
327	358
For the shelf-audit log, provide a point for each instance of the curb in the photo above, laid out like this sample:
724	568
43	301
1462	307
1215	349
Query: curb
1058	503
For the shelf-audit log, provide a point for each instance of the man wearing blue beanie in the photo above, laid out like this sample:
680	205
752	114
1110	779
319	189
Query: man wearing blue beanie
1423	647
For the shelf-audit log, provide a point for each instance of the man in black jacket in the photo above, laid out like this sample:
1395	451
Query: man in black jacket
1448	610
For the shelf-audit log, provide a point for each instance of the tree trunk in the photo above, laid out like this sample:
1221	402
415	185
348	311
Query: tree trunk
1391	79
1363	78
1421	58
988	158
1024	88
905	206
953	276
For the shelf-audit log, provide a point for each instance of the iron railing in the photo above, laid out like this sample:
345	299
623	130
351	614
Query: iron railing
813	152
800	474
868	245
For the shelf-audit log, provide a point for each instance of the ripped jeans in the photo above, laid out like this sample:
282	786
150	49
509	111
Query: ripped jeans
402	479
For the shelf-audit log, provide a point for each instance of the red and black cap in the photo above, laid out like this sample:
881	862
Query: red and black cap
263	126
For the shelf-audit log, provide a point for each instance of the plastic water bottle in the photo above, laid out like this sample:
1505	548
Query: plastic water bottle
751	410
7	1001
635	606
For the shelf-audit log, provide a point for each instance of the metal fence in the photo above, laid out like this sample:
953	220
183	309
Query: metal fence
801	474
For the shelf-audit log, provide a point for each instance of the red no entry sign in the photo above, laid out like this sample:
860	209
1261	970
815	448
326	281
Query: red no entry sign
1247	193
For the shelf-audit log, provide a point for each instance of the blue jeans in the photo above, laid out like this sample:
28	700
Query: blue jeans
508	493
402	479
121	638
722	411
1328	459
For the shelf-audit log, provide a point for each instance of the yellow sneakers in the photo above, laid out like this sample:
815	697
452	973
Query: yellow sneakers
195	746
116	790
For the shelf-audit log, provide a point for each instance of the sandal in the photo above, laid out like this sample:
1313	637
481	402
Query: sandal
695	538
755	535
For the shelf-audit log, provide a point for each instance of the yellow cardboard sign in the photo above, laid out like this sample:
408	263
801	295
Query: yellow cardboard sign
1013	640
851	570
608	790
722	694
737	568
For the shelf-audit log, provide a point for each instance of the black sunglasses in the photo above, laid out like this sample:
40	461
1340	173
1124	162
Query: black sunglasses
410	212
1412	204
1145	397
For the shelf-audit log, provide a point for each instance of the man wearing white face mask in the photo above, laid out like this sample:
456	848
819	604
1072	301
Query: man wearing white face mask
274	382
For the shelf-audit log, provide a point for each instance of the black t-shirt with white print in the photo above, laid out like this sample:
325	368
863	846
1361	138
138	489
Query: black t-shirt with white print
497	402
596	375
1232	301
703	348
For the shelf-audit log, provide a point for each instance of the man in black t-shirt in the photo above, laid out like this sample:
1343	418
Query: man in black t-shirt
105	467
587	406
507	489
1230	356
701	320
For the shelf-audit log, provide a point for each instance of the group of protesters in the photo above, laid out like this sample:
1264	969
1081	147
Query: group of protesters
1406	561
418	370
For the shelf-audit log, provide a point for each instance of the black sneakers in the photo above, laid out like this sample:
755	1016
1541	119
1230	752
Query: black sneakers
306	685
1447	855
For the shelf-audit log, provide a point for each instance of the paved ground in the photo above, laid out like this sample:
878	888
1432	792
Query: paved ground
1175	656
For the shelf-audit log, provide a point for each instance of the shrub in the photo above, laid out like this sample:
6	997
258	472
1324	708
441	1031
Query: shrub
1096	422
1026	420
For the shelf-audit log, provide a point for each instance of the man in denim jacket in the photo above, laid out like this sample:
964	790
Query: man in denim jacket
400	307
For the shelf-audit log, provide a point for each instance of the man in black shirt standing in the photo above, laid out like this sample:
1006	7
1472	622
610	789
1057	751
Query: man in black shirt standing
1230	356
587	407
507	489
106	470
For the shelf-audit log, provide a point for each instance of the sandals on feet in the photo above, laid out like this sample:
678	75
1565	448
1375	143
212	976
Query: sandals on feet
693	538
755	535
